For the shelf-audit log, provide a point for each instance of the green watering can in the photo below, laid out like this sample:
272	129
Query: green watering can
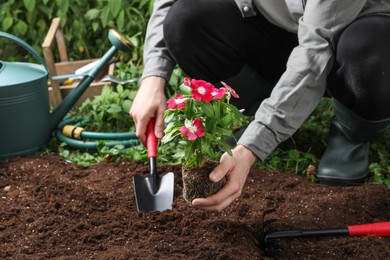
26	121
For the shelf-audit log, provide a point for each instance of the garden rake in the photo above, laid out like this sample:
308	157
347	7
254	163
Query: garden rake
377	229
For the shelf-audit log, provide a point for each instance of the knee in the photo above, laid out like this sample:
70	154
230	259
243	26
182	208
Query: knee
361	45
362	72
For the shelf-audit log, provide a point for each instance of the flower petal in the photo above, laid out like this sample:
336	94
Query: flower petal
171	103
202	90
184	130
197	122
230	90
191	136
219	93
182	105
200	131
187	82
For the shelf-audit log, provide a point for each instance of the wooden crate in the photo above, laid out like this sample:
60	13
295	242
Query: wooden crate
64	67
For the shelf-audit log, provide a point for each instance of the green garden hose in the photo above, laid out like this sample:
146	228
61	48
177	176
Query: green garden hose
70	132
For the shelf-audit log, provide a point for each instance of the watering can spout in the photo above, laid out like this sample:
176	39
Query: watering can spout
24	101
119	42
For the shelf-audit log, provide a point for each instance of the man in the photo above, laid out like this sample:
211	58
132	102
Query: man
281	57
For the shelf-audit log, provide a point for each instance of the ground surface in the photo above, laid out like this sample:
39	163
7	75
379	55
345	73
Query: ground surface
53	209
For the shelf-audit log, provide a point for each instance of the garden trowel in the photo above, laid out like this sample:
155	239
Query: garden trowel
153	192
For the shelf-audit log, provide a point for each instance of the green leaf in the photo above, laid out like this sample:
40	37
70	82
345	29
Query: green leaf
7	23
29	4
105	16
170	136
217	109
211	124
186	90
126	105
189	108
92	14
207	108
168	116
119	89
21	27
95	26
190	149
225	147
179	154
120	20
106	91
293	154
170	126
63	5
132	94
223	131
226	120
115	6
234	111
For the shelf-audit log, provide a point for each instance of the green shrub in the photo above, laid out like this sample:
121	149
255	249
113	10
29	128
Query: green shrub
85	24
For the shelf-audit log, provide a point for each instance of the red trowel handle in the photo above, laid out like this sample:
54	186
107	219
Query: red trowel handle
379	229
151	140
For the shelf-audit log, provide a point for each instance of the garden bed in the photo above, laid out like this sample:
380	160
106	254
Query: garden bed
51	208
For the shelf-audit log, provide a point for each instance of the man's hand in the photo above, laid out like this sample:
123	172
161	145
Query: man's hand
236	169
149	102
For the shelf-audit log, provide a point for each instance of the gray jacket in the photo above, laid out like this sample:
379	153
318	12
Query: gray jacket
303	84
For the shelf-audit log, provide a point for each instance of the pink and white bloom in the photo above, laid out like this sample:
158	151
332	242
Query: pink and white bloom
230	90
218	93
201	90
177	102
193	129
187	82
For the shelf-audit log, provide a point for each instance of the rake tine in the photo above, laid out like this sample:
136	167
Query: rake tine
266	223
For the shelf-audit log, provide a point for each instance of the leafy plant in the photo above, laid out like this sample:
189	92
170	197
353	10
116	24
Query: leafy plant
109	110
200	118
85	24
291	160
380	160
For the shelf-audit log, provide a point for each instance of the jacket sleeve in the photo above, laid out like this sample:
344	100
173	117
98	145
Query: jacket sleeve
303	84
157	61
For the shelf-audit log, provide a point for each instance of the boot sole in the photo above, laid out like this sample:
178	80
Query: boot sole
340	182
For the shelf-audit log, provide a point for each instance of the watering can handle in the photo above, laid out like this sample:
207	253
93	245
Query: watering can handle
26	46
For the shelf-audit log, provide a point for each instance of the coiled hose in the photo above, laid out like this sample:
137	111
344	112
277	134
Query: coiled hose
70	132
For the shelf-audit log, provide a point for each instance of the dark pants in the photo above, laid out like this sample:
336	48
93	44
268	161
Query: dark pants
210	40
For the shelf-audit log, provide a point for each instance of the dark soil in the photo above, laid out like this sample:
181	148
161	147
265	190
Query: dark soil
53	209
196	182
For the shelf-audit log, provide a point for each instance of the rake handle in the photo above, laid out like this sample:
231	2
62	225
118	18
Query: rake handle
378	229
151	139
306	233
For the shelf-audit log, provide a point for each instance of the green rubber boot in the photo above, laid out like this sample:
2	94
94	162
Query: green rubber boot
345	161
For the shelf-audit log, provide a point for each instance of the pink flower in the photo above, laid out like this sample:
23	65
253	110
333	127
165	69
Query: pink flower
230	90
194	131
187	82
201	90
218	92
177	102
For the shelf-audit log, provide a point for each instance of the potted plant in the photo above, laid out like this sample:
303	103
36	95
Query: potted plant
201	119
